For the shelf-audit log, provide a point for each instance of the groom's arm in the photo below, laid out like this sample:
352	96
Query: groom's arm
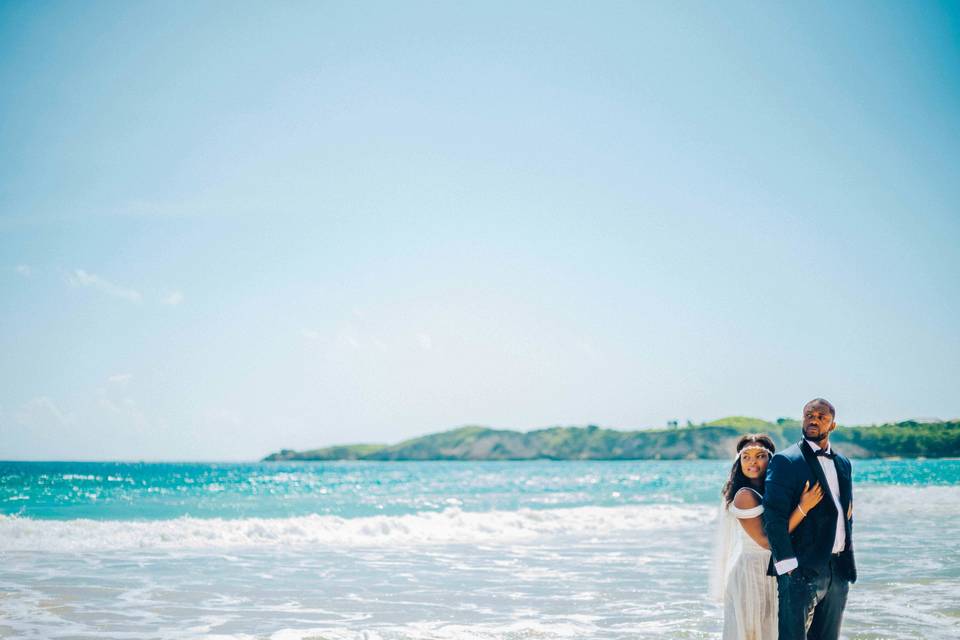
778	501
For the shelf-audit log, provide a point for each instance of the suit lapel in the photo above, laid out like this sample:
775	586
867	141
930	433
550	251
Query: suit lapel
817	470
843	479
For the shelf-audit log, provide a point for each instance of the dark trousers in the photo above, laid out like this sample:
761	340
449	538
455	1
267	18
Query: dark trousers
811	607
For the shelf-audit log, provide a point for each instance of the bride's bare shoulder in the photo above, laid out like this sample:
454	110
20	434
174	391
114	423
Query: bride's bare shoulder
746	499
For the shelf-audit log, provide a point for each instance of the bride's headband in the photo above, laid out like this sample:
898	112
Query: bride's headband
755	446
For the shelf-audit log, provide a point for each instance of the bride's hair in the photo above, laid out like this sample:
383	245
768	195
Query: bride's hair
737	480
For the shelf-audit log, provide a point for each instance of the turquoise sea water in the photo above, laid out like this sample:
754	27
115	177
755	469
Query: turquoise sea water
541	549
154	491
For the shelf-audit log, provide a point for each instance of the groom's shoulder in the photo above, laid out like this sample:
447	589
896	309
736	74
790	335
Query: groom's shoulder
842	459
792	452
784	462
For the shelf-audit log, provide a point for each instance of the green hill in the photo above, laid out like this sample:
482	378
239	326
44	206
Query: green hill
740	422
343	452
715	439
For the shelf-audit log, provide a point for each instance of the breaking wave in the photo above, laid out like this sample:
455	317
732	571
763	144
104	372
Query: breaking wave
450	526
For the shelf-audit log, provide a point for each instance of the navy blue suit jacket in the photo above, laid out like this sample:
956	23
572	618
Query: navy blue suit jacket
811	543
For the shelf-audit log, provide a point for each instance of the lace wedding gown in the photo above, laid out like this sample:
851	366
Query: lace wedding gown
750	595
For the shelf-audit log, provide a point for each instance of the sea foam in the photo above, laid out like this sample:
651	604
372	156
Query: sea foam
450	526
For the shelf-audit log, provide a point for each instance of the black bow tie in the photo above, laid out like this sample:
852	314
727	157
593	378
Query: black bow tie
823	453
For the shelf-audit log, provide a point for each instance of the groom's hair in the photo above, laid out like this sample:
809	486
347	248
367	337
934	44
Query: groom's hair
826	403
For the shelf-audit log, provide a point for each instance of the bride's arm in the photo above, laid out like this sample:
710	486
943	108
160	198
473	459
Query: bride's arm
810	497
746	499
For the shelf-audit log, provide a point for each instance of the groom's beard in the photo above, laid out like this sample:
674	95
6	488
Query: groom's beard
817	440
816	434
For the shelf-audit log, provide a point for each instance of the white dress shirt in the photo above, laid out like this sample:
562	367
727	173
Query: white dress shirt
830	470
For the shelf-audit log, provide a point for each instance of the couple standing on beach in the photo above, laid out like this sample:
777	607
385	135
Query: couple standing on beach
784	560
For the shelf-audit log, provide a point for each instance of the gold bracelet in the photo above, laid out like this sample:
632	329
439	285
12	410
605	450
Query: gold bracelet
802	511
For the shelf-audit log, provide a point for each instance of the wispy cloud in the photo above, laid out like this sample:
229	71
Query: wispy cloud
357	338
41	412
588	348
120	378
24	270
224	417
202	206
311	335
425	341
81	278
350	337
126	410
156	209
172	298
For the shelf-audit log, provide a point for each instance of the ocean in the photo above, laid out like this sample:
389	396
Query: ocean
430	550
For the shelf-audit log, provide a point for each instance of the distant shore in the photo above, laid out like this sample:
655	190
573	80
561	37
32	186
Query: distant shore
711	440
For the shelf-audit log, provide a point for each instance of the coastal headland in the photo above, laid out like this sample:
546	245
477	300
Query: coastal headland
710	440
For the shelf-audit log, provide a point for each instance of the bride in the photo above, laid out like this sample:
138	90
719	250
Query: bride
739	577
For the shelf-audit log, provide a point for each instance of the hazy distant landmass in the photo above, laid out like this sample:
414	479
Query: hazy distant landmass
714	439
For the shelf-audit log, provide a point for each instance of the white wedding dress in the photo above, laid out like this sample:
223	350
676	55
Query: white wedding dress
741	583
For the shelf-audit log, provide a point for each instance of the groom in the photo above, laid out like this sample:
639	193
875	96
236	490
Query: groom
814	565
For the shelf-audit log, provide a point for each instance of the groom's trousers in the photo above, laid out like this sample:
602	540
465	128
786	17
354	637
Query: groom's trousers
811	607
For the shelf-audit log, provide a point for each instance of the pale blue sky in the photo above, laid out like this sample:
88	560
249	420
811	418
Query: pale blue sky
227	228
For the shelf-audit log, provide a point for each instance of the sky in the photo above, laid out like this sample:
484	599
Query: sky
229	228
